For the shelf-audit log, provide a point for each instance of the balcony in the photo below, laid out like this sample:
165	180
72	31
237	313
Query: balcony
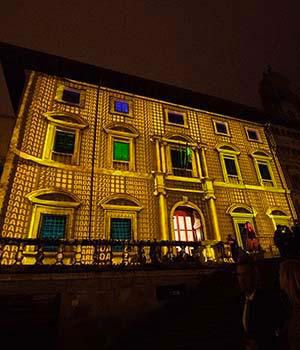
108	255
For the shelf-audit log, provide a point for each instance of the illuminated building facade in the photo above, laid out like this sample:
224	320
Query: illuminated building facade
100	155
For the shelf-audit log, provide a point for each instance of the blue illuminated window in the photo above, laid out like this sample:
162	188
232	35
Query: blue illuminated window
120	229
52	227
121	107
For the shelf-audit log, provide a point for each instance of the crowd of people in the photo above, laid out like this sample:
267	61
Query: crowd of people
288	240
267	320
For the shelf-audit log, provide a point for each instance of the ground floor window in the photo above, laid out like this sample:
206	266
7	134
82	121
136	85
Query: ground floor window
120	229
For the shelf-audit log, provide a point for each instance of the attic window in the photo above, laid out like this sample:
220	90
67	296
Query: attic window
122	106
71	96
176	118
252	134
221	127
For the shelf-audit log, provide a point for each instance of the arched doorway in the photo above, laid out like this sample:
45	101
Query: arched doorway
188	224
243	222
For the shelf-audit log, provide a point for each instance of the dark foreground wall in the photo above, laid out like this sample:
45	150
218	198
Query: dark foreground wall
137	309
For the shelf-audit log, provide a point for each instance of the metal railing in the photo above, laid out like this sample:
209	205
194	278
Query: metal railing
109	253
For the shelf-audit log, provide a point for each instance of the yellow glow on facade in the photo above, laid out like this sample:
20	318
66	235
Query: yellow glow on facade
106	188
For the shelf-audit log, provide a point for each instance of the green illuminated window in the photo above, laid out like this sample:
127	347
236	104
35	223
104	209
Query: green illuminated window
121	151
181	157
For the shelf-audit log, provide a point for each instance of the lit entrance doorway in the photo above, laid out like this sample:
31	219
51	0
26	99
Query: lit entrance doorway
243	222
188	225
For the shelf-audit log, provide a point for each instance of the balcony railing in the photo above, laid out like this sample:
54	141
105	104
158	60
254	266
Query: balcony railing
110	254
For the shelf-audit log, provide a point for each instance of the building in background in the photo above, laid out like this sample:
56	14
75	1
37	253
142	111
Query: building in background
97	154
282	104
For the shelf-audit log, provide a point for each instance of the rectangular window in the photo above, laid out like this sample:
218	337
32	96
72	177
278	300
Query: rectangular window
121	107
181	157
52	227
221	128
71	96
64	142
252	135
175	118
264	171
121	151
230	166
120	229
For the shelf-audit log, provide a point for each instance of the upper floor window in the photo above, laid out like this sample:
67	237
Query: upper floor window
252	134
262	163
180	153
64	142
70	95
121	106
175	117
221	128
63	138
121	151
181	157
229	163
121	145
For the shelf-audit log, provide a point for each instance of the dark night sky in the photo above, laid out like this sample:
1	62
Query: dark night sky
216	47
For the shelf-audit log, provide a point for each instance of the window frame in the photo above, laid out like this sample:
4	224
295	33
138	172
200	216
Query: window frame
129	137
64	126
175	143
215	122
123	140
59	95
266	160
230	154
285	220
114	99
175	111
247	129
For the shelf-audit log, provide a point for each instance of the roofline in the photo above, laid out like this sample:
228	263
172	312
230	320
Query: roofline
17	60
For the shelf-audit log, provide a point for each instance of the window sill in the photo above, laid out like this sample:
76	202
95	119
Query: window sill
182	178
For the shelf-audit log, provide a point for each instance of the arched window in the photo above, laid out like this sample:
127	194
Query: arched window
279	217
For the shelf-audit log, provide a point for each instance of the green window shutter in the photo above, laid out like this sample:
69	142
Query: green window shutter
121	150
